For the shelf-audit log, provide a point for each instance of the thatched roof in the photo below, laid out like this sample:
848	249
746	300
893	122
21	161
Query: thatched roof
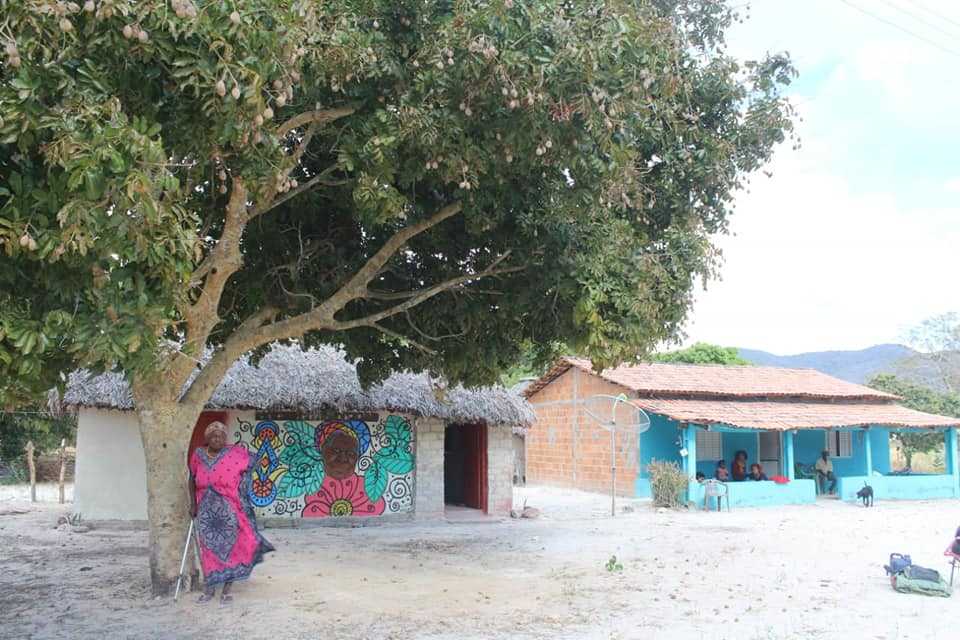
288	379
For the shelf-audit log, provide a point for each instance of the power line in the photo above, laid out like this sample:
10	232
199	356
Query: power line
936	14
901	28
921	19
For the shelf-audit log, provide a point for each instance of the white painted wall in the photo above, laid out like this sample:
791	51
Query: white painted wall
111	479
111	476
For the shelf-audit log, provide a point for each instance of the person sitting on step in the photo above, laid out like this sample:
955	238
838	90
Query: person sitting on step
824	469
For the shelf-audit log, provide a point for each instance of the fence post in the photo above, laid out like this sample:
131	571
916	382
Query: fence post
63	467
33	471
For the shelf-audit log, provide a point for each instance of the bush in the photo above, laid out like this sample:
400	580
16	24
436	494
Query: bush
668	484
13	473
45	430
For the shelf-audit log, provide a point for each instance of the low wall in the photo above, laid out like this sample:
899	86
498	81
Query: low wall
642	488
914	487
764	494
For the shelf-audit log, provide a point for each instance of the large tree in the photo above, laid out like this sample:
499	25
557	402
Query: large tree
937	361
702	353
427	184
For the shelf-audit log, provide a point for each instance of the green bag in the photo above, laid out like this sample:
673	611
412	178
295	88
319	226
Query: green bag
920	582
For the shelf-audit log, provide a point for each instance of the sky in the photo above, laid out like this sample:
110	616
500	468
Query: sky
856	236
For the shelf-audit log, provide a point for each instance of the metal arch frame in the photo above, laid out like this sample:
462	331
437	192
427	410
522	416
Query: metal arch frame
611	426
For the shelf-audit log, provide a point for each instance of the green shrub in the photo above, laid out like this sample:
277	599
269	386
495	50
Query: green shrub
13	473
668	484
46	431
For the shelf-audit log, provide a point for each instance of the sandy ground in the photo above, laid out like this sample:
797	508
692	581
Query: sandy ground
812	572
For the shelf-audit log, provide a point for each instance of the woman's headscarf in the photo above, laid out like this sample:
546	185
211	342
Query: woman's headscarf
214	426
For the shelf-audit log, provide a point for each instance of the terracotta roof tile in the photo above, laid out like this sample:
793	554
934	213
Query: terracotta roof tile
781	416
719	381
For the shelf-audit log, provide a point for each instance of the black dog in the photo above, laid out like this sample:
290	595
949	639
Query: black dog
866	494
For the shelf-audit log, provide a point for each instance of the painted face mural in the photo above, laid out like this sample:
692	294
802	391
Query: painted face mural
340	448
331	469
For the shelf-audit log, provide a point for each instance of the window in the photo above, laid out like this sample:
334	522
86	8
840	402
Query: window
839	444
708	445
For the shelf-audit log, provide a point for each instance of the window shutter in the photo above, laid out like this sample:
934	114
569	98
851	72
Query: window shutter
709	446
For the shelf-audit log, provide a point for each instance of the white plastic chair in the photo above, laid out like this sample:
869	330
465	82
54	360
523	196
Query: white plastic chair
718	490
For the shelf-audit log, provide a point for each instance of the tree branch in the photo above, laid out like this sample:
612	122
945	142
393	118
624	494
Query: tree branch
428	293
428	336
356	286
320	117
399	336
216	368
252	333
293	193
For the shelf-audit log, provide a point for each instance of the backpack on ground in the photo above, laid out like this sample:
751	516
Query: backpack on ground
906	577
917	580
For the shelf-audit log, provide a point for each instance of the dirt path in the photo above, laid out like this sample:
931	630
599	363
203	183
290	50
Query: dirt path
803	572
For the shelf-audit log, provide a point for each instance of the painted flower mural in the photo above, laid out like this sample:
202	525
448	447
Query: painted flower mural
332	469
342	497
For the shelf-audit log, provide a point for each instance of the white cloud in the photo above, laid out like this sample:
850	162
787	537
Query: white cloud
810	265
832	253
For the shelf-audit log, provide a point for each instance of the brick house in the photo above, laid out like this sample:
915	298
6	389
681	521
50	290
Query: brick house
424	451
781	418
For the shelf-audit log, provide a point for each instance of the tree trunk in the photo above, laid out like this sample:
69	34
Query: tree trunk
165	429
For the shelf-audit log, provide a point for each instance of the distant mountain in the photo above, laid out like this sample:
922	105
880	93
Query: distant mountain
853	366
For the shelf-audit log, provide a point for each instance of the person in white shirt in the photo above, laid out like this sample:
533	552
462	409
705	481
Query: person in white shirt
824	470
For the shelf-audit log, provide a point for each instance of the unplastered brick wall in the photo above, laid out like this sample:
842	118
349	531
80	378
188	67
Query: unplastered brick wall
499	470
428	491
565	446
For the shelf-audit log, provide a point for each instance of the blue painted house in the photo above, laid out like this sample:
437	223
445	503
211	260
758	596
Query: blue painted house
700	414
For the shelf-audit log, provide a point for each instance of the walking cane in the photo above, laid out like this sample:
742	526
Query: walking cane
183	561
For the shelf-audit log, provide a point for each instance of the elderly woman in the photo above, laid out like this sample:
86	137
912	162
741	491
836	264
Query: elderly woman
230	544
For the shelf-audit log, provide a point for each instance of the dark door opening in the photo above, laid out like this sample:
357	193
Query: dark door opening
465	466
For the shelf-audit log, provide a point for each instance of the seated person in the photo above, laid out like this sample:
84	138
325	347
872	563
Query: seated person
824	469
739	471
756	473
701	476
721	473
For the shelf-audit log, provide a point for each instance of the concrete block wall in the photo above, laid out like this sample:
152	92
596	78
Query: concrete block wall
428	478
499	470
566	447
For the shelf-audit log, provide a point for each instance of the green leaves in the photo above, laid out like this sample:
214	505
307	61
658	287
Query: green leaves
304	465
702	353
375	481
595	146
396	456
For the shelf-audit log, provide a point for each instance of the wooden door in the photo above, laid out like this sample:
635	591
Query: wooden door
475	466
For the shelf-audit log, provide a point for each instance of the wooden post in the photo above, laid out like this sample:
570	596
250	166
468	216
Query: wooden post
63	467
33	471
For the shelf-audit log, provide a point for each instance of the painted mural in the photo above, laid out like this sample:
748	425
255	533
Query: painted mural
329	469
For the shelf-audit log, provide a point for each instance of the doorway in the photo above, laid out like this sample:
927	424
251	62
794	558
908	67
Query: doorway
465	466
770	445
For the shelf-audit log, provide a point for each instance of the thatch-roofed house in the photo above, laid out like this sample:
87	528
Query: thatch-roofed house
421	446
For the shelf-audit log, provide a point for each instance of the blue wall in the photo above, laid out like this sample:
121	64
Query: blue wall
659	442
880	445
765	494
807	446
916	487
